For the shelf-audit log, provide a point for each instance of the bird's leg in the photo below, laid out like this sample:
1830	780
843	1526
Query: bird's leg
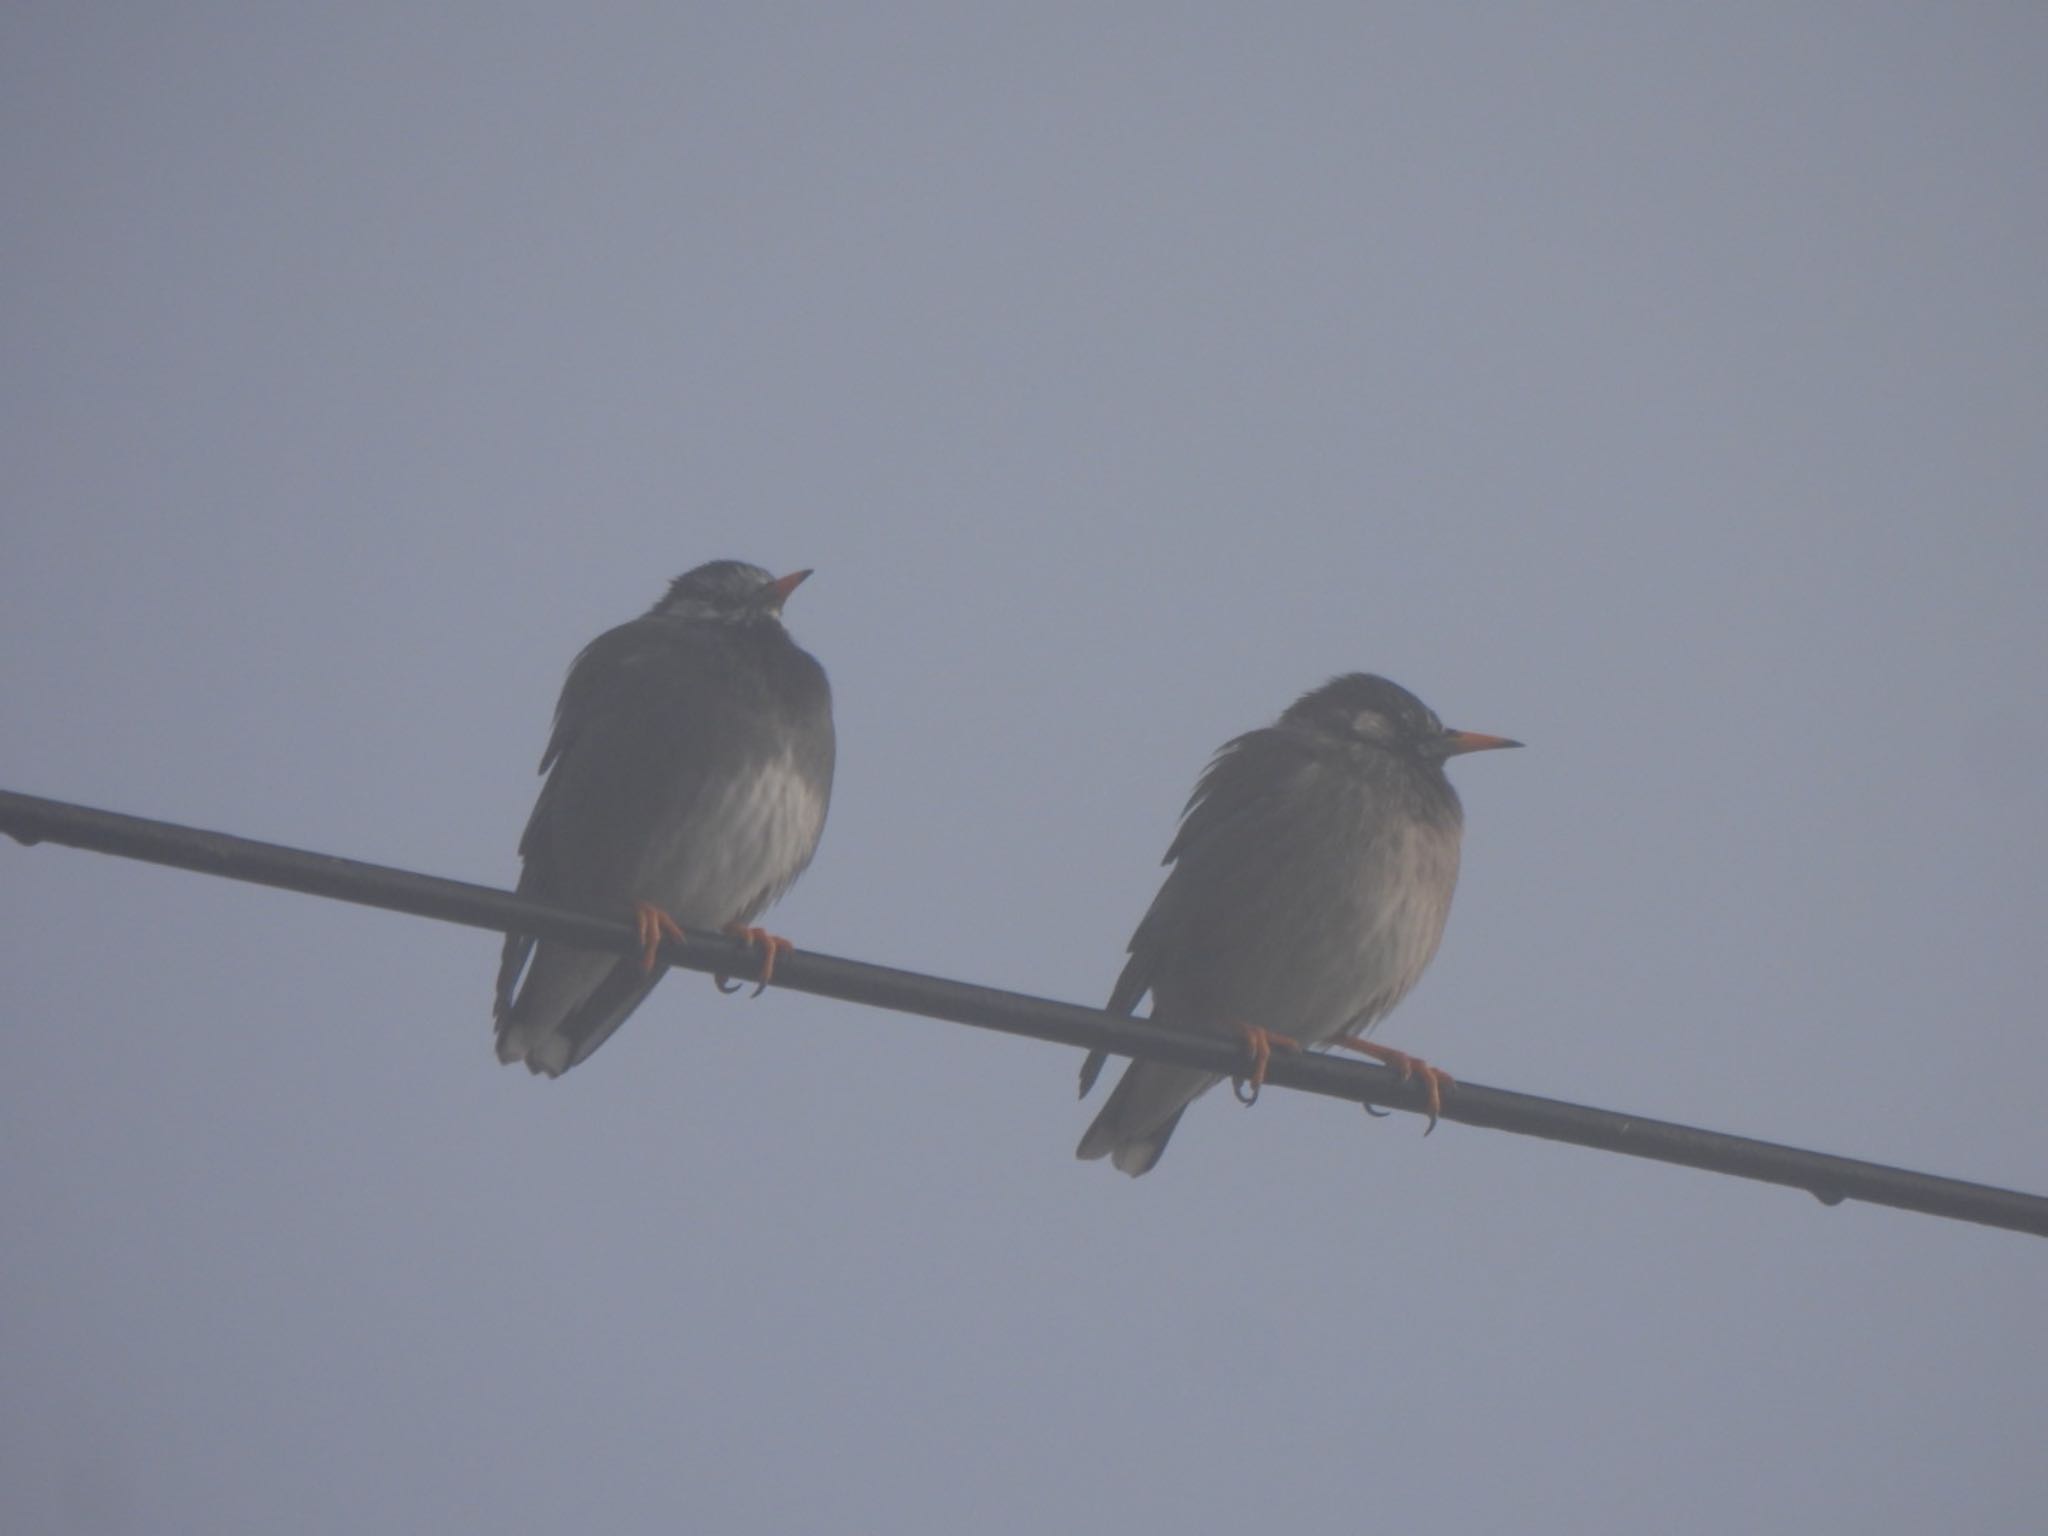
1410	1067
770	945
654	925
1261	1043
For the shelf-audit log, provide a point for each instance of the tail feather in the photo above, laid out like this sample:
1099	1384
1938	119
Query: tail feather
570	1004
1138	1118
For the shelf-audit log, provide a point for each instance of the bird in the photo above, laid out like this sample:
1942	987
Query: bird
1308	887
687	780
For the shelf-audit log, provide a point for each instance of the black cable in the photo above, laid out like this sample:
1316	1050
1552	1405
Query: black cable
31	819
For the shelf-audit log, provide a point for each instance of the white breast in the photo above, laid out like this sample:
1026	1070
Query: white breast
1404	908
740	850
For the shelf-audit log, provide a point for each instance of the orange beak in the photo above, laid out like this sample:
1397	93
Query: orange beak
784	585
1457	742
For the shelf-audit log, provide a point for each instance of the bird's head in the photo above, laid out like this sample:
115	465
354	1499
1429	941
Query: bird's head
1360	709
728	590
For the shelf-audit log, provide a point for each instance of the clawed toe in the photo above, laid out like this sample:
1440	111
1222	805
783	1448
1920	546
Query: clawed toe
770	945
1261	1043
1434	1079
653	926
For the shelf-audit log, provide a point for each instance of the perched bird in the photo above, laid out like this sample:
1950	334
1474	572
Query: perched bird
1311	878
687	780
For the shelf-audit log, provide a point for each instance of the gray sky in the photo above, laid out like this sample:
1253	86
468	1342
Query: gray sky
1662	386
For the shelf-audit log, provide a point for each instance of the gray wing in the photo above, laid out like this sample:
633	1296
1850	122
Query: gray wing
607	679
1241	781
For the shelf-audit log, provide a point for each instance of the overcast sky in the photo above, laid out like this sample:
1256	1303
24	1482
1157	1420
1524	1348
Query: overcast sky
1662	386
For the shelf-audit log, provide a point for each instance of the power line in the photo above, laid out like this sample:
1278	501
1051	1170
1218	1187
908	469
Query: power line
31	819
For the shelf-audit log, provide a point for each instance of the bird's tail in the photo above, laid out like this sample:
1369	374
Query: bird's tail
571	1002
1139	1117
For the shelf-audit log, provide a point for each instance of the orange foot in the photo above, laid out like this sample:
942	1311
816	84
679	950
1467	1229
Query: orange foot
654	925
1261	1043
769	944
1410	1067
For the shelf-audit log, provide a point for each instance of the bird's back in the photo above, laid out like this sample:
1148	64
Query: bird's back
690	768
1306	896
1308	893
686	770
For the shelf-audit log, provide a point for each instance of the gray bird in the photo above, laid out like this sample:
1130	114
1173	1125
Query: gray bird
1311	878
687	780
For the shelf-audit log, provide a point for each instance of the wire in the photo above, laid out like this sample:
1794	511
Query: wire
31	819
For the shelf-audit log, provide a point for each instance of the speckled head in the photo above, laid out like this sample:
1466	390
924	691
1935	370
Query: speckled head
731	590
1360	707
